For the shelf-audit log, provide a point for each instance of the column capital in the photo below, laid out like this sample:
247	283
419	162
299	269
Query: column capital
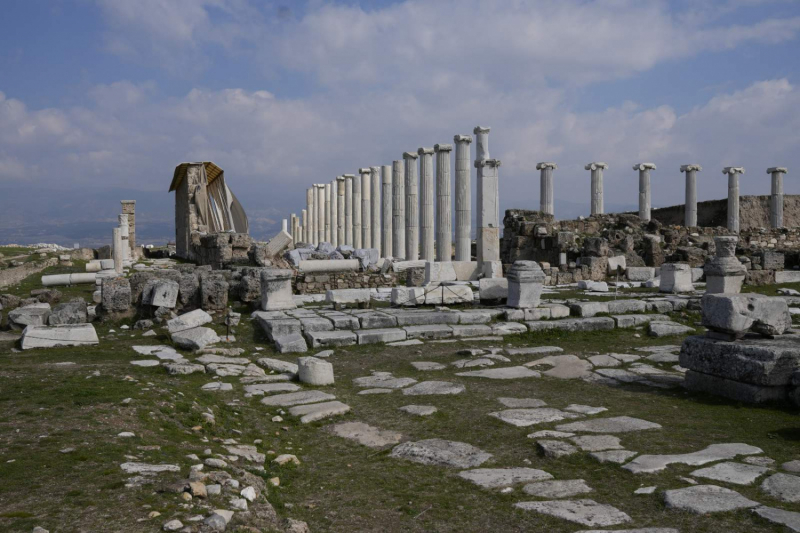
462	138
425	151
487	163
364	171
481	129
348	176
340	178
644	166
410	155
546	164
733	170
596	165
691	167
442	147
374	170
779	170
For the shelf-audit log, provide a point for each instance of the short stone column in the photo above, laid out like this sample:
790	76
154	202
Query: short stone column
412	206
340	214
733	196
276	290
481	142
488	206
326	188
525	283
304	227
129	208
123	230
776	199
366	207
675	278
690	208
320	213
398	210
116	249
375	208
311	209
349	216
357	231
463	198
597	186
644	189
444	212
427	246
724	273
546	202
387	246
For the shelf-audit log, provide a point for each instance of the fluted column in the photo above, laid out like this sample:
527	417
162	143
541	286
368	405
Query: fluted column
463	198
116	250
398	210
546	202
304	229
444	210
776	199
387	244
644	189
293	226
733	196
690	206
349	216
366	207
123	231
597	186
375	208
326	190
426	227
340	213
334	213
412	206
320	213
311	228
357	232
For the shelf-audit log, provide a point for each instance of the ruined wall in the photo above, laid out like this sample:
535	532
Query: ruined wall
753	212
318	282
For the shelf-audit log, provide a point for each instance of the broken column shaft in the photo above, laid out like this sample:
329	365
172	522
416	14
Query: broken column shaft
776	199
733	196
546	187
644	189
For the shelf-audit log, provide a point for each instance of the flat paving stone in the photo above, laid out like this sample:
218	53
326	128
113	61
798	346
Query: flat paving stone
715	452
791	466
298	398
278	365
563	366
612	456
550	434
509	372
704	499
555	449
604	361
584	409
617	424
419	410
663	357
529	417
784	487
383	380
496	478
779	516
625	357
146	362
522	403
410	342
217	386
557	488
367	392
534	350
759	461
583	512
736	473
597	443
471	363
366	435
441	452
427	365
318	411
425	388
268	388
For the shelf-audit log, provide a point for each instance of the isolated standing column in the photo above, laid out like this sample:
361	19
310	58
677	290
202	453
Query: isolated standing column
357	181
644	189
444	210
116	251
398	210
426	204
690	206
123	231
366	207
776	199
597	186
348	208
412	206
375	208
387	244
488	215
311	231
733	196
463	198
546	203
340	214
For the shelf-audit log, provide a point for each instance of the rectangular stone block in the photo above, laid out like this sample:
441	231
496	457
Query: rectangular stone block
471	330
626	306
588	309
374	336
377	320
280	327
537	313
493	289
466	270
448	295
321	339
437	331
630	321
348	296
475	317
734	390
556	310
573	324
436	272
52	336
344	322
316	324
597	267
427	318
787	276
640	273
514	315
294	343
408	296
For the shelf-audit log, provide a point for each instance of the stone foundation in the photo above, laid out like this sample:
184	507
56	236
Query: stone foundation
318	282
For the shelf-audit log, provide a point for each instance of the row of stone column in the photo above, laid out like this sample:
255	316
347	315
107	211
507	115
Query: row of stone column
690	208
392	208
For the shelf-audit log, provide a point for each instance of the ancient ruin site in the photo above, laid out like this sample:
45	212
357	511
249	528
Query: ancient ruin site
447	320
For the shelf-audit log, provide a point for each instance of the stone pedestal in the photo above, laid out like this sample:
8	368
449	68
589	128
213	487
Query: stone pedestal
597	186
733	196
546	201
690	208
644	189
525	282
488	249
724	273
349	216
387	243
444	214
676	278
398	210
366	208
276	290
735	315
412	206
358	208
776	199
427	246
340	213
463	199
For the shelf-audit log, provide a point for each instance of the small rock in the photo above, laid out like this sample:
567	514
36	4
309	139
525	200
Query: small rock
172	525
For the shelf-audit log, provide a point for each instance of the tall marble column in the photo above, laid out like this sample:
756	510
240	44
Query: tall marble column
733	196
776	199
412	206
398	210
334	213
644	189
304	229
311	228
326	188
340	213
387	244
123	231
116	250
463	199
366	207
690	206
426	227
375	208
444	210
546	202
597	186
488	216
349	179
357	232
320	213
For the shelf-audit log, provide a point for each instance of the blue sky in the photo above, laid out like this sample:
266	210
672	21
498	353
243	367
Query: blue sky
105	94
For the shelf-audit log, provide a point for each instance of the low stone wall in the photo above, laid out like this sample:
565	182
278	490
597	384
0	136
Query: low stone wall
220	250
318	282
753	212
14	275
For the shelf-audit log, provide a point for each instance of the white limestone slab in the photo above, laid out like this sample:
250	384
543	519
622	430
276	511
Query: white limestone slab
784	487
441	452
318	411
715	452
383	380
612	456
298	398
434	388
419	410
366	435
736	473
618	424
522	403
496	478
509	372
704	499
529	417
583	512
557	488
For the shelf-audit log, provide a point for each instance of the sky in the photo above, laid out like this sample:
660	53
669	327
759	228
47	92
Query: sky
101	99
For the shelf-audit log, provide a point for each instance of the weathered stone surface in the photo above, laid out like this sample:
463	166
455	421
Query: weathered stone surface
784	487
736	473
74	312
448	295
425	388
213	292
293	343
640	273
408	296
676	278
584	512
563	366
365	434
496	478
278	365
703	499
190	320
374	336
324	339
195	338
736	314
584	409
383	380
612	456
181	369
298	398
508	372
557	488
347	296
779	516
714	452
259	389
626	306
471	330
588	309
415	318
318	411
147	469
618	424
493	289
427	365
36	314
419	410
161	292
522	403
314	371
534	350
574	324
529	417
665	329
433	331
441	452
597	443
52	336
115	295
